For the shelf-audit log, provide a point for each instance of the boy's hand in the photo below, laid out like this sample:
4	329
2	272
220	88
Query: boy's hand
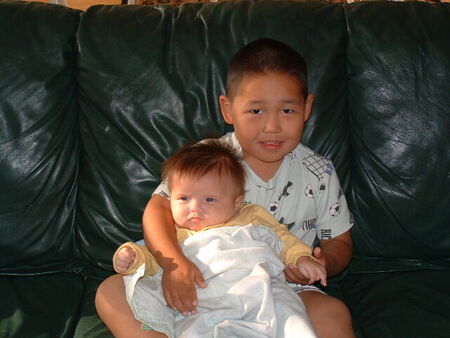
320	256
179	285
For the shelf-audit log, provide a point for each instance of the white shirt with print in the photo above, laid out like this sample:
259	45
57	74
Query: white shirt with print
304	194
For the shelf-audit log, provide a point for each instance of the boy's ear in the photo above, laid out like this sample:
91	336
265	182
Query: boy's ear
308	106
225	108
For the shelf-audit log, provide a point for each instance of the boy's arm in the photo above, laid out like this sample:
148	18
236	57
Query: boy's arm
335	254
179	274
333	222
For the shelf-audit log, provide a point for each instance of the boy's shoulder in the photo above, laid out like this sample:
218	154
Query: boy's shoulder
230	139
306	155
315	165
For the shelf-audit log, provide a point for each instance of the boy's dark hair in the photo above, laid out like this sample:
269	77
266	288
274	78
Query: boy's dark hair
205	157
266	55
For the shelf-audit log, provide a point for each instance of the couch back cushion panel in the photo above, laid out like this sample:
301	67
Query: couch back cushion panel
150	77
399	71
38	138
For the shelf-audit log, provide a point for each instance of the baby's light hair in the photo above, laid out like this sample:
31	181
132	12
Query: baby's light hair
210	156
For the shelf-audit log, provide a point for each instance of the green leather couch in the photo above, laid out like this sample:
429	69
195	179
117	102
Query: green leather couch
92	102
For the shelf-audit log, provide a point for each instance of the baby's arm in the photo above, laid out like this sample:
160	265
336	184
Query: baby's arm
301	266
180	275
312	270
130	256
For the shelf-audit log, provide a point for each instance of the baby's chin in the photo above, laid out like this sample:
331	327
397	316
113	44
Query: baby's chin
193	225
197	225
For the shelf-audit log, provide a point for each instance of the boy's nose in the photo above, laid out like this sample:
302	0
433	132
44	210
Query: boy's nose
272	124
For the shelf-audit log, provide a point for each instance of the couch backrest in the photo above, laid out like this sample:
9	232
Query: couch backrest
88	117
399	107
149	80
38	136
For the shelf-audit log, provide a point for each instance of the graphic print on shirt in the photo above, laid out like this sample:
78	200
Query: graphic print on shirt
286	190
309	224
273	206
309	191
318	165
325	234
288	225
335	208
164	194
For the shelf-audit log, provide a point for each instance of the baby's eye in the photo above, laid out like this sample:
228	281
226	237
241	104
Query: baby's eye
184	198
287	111
255	111
210	199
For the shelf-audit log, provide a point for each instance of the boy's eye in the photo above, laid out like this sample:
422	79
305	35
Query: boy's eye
287	111
210	199
184	198
255	111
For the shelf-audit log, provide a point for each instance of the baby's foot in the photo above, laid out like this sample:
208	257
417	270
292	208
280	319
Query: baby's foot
124	259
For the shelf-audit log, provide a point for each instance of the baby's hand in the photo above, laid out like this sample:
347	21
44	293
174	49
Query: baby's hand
312	270
123	259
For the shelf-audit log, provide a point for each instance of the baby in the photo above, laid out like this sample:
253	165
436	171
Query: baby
240	248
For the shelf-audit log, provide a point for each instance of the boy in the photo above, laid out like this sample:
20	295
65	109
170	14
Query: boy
237	248
268	103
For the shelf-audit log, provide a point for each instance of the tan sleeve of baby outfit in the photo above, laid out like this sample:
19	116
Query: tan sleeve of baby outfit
142	256
293	247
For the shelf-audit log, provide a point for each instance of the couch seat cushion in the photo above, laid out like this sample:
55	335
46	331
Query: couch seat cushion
400	304
40	305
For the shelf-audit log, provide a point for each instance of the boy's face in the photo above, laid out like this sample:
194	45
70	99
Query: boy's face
201	202
268	113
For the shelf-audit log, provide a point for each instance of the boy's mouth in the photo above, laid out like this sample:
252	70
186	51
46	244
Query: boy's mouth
271	144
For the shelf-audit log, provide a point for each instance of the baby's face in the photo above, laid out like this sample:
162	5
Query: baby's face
202	202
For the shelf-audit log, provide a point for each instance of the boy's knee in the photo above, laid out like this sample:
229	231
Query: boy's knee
331	318
326	306
99	294
107	289
340	311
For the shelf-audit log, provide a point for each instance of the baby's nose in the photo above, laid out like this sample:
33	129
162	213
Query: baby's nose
195	206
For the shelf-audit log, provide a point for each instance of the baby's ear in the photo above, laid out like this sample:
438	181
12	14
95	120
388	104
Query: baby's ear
238	202
225	108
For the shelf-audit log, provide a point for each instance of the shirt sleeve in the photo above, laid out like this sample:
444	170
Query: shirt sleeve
333	215
293	247
162	189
